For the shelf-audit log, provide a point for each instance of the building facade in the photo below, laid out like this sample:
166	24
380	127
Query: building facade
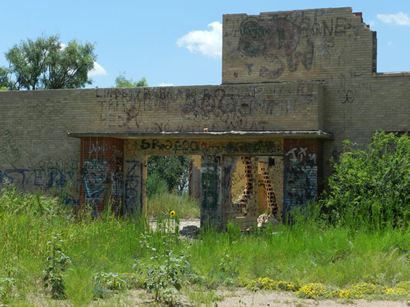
294	85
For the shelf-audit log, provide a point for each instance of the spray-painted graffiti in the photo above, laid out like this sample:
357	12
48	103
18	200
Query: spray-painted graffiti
122	107
132	186
288	41
53	176
95	178
189	146
210	180
231	107
300	176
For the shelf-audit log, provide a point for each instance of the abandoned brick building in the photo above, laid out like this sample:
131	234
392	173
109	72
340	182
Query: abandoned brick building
294	86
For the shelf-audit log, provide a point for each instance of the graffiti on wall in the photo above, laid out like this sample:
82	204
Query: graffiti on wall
210	173
132	186
189	146
95	177
289	41
54	176
301	176
229	107
122	107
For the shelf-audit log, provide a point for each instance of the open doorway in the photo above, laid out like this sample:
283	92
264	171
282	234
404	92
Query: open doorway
256	188
172	185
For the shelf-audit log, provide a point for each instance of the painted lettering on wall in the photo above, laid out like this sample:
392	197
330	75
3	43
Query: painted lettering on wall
53	176
288	41
189	146
95	177
300	177
228	107
210	181
132	186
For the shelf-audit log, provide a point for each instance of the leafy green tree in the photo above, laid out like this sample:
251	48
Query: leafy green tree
173	169
46	63
122	82
371	187
4	79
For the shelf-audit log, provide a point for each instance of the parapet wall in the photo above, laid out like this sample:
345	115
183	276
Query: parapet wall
296	45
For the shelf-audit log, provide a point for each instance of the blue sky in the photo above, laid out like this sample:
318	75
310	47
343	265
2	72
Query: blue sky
154	39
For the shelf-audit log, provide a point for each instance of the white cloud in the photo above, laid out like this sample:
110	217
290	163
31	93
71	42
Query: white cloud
166	84
205	42
98	70
400	19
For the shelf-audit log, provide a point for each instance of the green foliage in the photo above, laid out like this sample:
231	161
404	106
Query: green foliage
167	268
266	283
333	256
156	185
371	188
122	82
14	202
45	63
106	283
162	203
57	263
173	169
228	268
6	288
4	79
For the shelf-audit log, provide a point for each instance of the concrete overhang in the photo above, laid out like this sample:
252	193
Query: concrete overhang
288	134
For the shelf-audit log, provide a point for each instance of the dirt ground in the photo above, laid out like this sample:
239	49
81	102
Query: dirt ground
244	297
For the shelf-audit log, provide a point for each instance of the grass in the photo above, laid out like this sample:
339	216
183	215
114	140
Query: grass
160	204
302	254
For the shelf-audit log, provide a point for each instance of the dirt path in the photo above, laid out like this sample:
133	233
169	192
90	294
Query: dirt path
242	297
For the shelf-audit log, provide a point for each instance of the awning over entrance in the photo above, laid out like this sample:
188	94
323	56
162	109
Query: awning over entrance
304	134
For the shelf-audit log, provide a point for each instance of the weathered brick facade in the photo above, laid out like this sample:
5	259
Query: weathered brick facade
295	85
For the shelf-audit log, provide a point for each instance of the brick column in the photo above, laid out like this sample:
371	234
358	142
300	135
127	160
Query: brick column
101	173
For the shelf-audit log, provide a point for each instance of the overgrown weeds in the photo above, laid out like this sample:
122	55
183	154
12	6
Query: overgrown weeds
336	252
370	188
57	263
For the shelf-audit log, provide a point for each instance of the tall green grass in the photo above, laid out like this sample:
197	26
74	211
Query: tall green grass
161	204
301	253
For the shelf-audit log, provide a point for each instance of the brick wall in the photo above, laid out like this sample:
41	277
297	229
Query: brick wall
333	88
296	45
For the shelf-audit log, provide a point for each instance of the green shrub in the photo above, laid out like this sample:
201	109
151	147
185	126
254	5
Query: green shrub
160	205
371	187
57	263
106	283
6	289
156	185
174	170
17	203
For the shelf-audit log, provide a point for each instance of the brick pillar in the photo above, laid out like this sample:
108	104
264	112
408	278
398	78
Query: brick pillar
210	191
101	173
302	171
135	175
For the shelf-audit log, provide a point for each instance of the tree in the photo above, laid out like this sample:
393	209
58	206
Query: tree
122	82
371	187
174	170
4	80
46	63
